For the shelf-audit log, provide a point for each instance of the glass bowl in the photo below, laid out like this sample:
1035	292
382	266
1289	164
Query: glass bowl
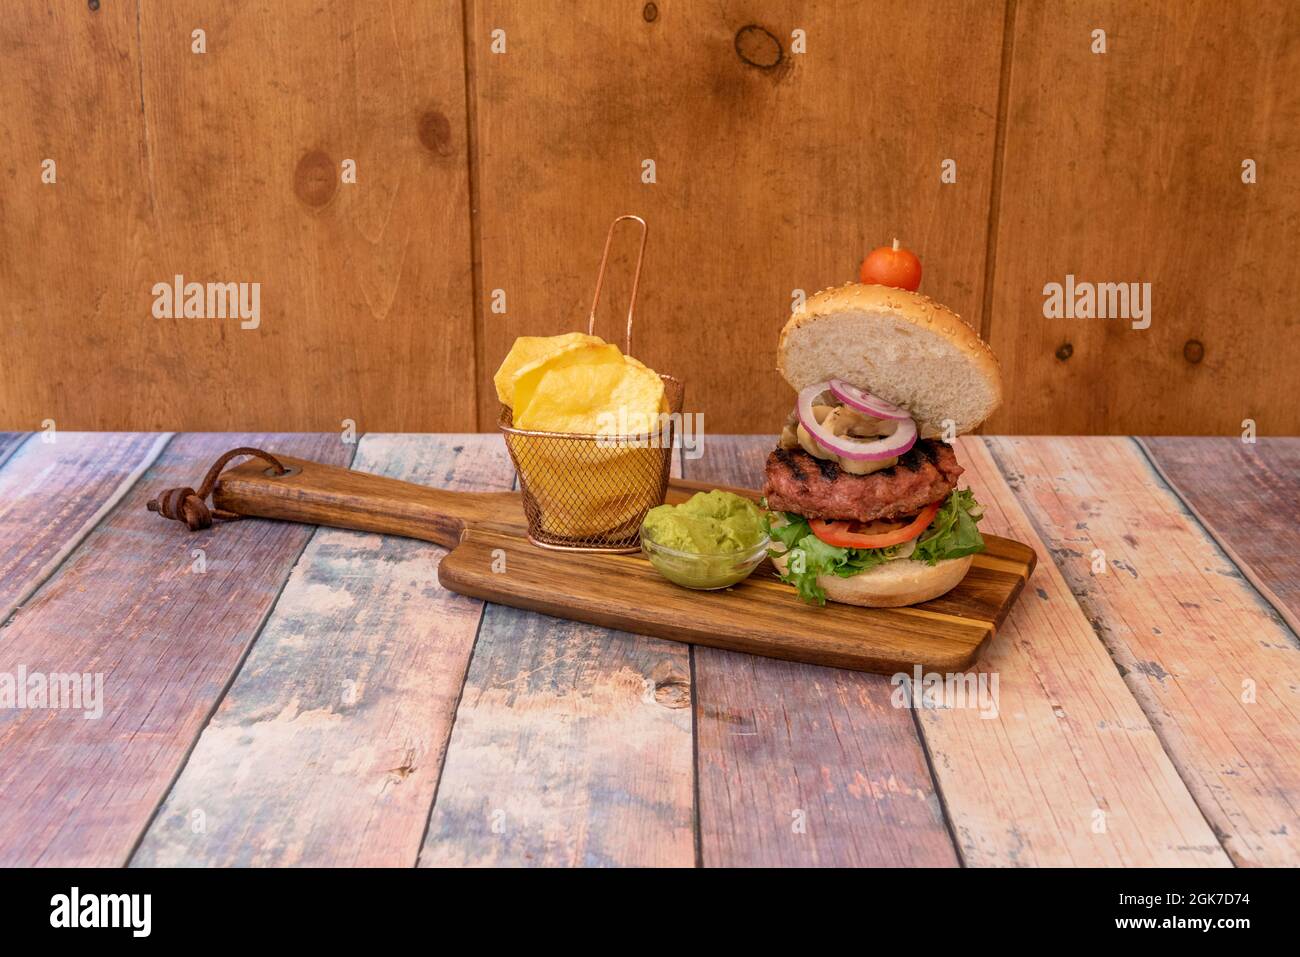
700	571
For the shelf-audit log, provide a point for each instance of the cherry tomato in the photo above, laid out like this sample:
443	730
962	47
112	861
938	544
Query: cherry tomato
846	535
892	266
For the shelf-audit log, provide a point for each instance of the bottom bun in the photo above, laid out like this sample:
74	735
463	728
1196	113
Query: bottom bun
893	584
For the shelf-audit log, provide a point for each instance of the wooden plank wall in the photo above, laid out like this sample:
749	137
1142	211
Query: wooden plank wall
481	169
225	166
773	169
1128	167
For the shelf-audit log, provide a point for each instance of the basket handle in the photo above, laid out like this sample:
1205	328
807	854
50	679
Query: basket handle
636	278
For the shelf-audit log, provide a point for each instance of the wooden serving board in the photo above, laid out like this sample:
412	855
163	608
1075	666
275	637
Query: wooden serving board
492	559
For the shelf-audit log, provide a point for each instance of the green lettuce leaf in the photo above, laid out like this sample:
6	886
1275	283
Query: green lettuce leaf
952	534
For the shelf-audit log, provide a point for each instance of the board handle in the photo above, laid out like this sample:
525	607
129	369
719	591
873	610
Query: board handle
342	498
299	490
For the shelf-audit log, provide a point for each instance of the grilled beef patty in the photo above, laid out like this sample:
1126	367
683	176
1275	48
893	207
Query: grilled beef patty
815	488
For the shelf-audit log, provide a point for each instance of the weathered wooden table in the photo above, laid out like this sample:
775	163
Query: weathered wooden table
279	694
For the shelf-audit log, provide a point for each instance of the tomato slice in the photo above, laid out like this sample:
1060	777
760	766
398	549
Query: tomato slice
842	534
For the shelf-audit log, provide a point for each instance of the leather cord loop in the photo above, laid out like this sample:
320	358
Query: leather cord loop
191	507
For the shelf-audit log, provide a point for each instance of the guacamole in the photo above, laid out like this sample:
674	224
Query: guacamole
712	540
708	523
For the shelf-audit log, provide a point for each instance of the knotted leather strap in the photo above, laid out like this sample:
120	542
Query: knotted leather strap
191	507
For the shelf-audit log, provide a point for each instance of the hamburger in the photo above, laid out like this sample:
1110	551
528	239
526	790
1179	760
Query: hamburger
862	489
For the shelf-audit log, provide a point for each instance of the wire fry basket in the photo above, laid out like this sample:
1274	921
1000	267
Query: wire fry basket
591	492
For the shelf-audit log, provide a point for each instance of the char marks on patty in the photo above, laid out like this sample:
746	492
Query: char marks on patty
818	488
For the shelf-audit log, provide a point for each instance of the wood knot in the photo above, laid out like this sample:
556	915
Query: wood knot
1193	350
1064	351
315	179
672	689
673	694
650	13
434	130
758	47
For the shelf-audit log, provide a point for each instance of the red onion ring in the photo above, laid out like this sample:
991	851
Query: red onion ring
855	450
872	405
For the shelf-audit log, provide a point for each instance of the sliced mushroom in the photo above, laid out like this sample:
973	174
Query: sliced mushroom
841	420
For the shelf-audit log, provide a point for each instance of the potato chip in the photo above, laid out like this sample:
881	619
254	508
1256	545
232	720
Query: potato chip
604	398
581	355
664	406
529	349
